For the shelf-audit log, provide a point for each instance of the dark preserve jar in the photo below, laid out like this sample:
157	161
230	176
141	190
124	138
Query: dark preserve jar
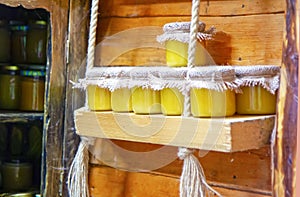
37	42
32	88
18	42
10	87
4	41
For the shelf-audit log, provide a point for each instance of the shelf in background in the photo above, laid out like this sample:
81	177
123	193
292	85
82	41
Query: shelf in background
17	116
231	134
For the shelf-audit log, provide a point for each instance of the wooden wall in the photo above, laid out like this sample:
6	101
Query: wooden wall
248	33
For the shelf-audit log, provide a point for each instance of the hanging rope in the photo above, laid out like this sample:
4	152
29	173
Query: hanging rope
192	181
193	33
92	35
78	173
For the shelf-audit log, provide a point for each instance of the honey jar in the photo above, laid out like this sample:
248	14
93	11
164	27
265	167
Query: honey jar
37	42
10	89
176	39
16	175
212	91
145	101
99	99
259	89
121	100
32	88
18	42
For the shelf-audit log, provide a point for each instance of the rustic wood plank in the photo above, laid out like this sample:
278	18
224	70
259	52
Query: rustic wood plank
110	182
78	33
248	169
243	40
126	8
220	134
285	146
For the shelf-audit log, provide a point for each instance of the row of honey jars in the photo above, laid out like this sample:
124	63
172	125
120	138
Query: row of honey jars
23	43
22	89
208	100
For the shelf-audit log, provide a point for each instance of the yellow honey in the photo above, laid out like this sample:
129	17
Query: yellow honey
177	53
121	100
171	101
255	100
211	103
145	101
99	99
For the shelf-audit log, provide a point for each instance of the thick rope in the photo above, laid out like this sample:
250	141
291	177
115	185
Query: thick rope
78	173
92	35
193	33
192	181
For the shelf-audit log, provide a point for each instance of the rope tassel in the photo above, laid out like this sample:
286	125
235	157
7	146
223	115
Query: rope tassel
192	181
78	173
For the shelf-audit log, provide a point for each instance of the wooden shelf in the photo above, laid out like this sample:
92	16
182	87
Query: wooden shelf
15	116
237	133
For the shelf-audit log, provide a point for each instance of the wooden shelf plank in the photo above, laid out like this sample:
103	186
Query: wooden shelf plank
230	134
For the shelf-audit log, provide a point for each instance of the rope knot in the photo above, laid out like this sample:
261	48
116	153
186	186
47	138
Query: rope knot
184	152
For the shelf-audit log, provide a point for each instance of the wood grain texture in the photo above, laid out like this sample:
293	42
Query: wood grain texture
110	182
285	147
132	8
250	170
229	134
78	30
240	40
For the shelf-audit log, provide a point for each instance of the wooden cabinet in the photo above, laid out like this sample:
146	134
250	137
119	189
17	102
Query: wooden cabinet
248	33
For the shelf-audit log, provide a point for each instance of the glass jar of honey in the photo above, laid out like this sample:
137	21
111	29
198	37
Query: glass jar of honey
121	100
16	175
176	39
32	88
212	91
10	89
145	101
259	89
18	43
99	99
37	42
5	41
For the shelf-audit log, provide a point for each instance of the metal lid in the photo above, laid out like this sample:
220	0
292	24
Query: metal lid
20	195
19	28
11	68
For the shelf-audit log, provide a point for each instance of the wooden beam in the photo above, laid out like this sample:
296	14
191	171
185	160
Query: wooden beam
77	35
228	134
286	140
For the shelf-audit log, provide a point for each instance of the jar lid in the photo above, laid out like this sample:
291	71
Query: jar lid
182	26
38	22
16	22
257	70
20	195
19	28
17	163
33	72
11	68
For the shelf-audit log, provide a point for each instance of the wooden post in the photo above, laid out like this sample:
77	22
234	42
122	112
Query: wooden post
285	146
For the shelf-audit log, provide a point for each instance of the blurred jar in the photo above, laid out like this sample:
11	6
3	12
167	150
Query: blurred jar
18	42
17	141
10	89
99	99
121	100
259	89
16	175
176	39
171	101
5	41
37	42
211	94
145	101
32	88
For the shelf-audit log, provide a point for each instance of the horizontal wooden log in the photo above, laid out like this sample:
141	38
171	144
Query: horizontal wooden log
104	181
250	170
133	8
240	40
